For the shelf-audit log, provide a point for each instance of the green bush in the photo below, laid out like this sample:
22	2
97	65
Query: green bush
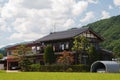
58	68
1	55
62	68
34	67
80	68
24	64
49	56
69	70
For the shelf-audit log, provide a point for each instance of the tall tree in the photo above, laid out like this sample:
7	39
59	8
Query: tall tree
1	56
80	45
3	51
93	54
22	51
66	58
49	56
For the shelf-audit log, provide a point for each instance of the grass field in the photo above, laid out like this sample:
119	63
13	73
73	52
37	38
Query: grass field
57	76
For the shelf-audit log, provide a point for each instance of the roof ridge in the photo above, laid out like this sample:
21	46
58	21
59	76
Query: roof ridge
71	29
63	34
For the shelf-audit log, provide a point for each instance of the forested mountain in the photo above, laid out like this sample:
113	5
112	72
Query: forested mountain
3	51
109	29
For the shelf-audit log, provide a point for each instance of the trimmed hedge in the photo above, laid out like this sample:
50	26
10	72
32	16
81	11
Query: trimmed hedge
34	67
59	68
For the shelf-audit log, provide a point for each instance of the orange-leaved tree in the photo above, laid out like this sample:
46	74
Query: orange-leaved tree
66	58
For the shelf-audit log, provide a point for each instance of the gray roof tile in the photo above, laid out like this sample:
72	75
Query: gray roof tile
63	34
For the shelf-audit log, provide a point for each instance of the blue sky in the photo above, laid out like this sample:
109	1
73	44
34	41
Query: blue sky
26	20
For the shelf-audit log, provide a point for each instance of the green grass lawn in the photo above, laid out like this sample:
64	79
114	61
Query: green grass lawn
57	76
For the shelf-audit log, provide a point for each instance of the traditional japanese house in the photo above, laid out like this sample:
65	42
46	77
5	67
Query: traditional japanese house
63	40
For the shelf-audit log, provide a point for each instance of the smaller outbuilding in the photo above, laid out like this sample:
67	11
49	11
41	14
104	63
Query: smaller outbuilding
105	66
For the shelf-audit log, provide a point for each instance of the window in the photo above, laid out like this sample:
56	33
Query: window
62	46
53	48
33	48
9	53
67	45
43	44
38	48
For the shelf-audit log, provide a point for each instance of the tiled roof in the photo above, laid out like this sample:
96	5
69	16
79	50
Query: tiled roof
63	34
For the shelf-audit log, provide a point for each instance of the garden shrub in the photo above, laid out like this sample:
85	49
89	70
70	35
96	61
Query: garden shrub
34	67
62	68
24	64
1	55
69	70
49	56
58	68
80	68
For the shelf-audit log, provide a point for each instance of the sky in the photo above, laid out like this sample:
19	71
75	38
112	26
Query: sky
28	20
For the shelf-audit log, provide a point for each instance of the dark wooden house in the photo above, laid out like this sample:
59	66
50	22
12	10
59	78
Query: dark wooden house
63	40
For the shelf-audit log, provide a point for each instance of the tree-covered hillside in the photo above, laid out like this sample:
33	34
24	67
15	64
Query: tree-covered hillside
109	29
3	51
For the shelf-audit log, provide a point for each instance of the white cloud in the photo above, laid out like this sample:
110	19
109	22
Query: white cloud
69	23
37	4
3	26
2	46
116	2
0	9
105	14
79	7
88	17
93	1
26	37
28	19
110	7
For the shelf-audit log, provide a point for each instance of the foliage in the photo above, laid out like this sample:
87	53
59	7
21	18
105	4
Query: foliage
80	45
49	56
116	48
57	68
34	67
80	68
64	68
3	51
110	30
94	55
83	47
66	58
21	52
69	70
24	64
1	56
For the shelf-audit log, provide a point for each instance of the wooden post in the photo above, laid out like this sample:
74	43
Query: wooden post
7	60
7	65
